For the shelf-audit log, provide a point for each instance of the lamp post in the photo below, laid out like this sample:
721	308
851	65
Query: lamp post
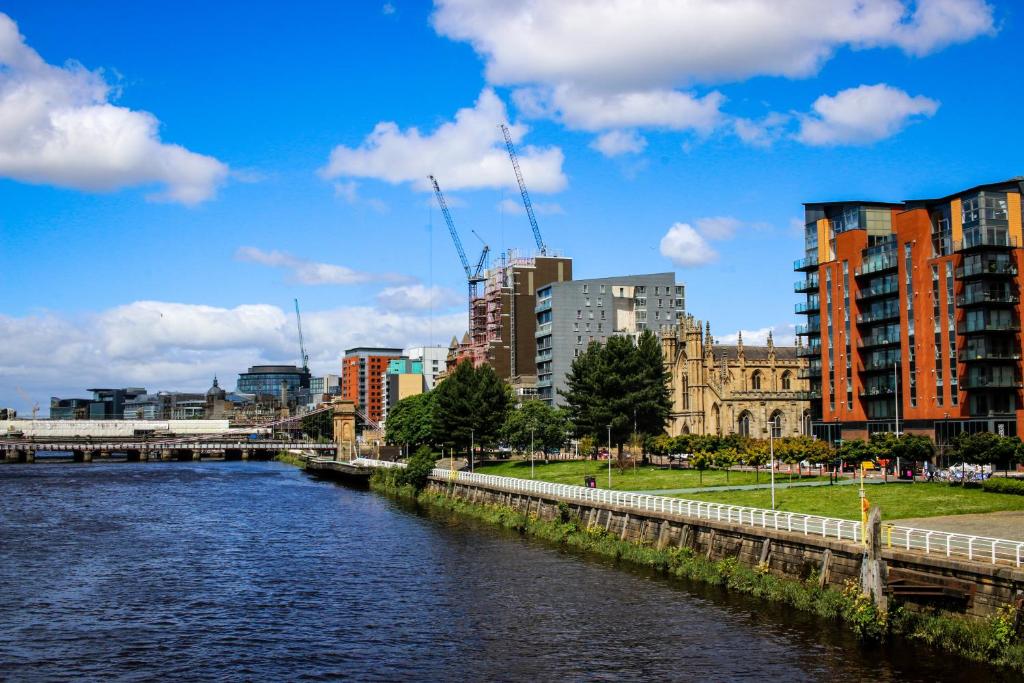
771	449
472	449
609	456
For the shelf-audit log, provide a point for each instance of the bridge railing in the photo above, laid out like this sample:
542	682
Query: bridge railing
971	547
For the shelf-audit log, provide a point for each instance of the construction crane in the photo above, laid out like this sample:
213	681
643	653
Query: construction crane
302	345
543	248
25	397
474	276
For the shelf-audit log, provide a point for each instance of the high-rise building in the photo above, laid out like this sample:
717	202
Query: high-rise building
570	315
913	314
433	359
502	319
403	378
361	371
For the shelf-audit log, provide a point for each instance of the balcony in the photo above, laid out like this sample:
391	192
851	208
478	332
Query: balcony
542	305
808	395
808	329
806	307
543	329
871	342
990	382
808	373
988	326
805	264
968	356
987	268
808	285
982	298
808	351
877	264
870	367
985	239
867	318
877	392
889	289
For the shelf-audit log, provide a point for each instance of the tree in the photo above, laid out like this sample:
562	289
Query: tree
319	427
418	469
470	405
724	459
550	426
986	447
411	421
622	386
701	461
756	455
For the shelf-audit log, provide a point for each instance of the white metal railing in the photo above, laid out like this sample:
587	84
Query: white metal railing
370	462
977	548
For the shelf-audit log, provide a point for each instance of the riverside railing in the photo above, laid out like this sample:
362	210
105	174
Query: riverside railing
975	548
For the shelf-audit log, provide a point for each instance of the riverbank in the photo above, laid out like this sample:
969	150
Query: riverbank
994	640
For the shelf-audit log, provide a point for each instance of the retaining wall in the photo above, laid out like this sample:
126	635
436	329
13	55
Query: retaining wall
784	553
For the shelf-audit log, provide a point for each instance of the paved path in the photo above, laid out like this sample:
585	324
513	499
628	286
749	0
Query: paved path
755	487
1007	524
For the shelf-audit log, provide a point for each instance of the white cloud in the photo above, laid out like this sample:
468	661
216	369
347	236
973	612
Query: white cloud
862	115
306	272
782	335
508	205
625	45
349	191
582	109
763	132
175	346
388	9
59	127
718	227
617	142
467	153
417	297
684	246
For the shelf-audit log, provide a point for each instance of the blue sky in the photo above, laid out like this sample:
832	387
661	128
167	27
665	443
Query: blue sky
172	177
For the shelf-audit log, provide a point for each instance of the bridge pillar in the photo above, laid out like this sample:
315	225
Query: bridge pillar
144	455
166	454
30	456
87	456
246	453
344	417
196	455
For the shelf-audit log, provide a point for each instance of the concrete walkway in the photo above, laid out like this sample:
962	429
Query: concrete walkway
756	487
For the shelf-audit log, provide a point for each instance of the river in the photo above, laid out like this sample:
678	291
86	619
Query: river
254	571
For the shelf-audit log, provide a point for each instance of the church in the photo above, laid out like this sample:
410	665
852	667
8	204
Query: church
733	389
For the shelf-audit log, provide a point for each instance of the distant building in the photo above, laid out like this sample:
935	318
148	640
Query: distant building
402	379
289	384
108	404
323	387
8	414
433	359
502	319
166	405
570	315
69	408
733	389
361	371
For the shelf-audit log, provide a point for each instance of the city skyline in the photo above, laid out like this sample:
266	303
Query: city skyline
173	178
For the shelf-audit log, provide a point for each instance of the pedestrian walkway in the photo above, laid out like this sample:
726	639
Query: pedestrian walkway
1005	524
757	487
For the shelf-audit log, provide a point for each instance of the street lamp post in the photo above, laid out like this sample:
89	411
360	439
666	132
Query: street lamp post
532	452
472	449
609	456
771	448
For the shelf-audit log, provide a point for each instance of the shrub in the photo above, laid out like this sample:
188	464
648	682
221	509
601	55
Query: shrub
418	468
1013	486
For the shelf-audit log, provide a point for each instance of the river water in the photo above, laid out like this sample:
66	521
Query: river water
254	571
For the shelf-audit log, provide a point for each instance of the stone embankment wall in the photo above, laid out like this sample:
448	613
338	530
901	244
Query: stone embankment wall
783	553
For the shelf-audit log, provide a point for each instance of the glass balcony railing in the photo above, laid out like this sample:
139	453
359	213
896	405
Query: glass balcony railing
987	382
877	264
977	298
809	351
977	239
808	285
877	392
542	305
989	267
878	316
983	355
542	329
807	307
988	326
878	290
808	263
808	329
867	342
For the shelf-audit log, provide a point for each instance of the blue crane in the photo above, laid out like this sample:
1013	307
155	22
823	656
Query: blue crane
473	276
543	248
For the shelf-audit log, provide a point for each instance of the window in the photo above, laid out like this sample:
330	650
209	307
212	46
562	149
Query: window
579	339
575	327
586	289
755	380
600	302
602	315
602	289
744	423
787	380
588	327
579	314
588	301
775	423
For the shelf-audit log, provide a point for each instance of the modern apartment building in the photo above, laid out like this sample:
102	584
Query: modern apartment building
913	314
570	315
403	378
326	385
433	360
361	371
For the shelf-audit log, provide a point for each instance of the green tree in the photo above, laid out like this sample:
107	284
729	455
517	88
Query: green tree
418	468
319	427
756	455
411	421
550	426
724	459
469	406
700	461
622	386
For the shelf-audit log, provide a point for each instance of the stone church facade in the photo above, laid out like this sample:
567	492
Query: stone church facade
722	389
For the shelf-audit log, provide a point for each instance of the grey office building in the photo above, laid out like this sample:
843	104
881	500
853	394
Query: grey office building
572	314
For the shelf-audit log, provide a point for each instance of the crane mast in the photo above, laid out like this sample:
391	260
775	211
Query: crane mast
302	344
543	248
474	276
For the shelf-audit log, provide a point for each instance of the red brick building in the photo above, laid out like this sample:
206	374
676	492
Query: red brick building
361	370
913	314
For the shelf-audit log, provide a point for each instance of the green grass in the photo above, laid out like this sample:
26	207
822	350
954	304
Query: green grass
641	479
898	501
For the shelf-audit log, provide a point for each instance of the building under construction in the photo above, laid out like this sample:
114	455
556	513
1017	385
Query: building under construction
503	321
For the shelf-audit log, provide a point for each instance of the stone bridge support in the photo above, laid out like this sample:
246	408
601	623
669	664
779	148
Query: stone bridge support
344	417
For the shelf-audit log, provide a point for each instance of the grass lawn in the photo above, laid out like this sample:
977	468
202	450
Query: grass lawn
897	501
642	479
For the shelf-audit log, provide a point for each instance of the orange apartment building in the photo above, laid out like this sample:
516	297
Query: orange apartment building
361	370
913	314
